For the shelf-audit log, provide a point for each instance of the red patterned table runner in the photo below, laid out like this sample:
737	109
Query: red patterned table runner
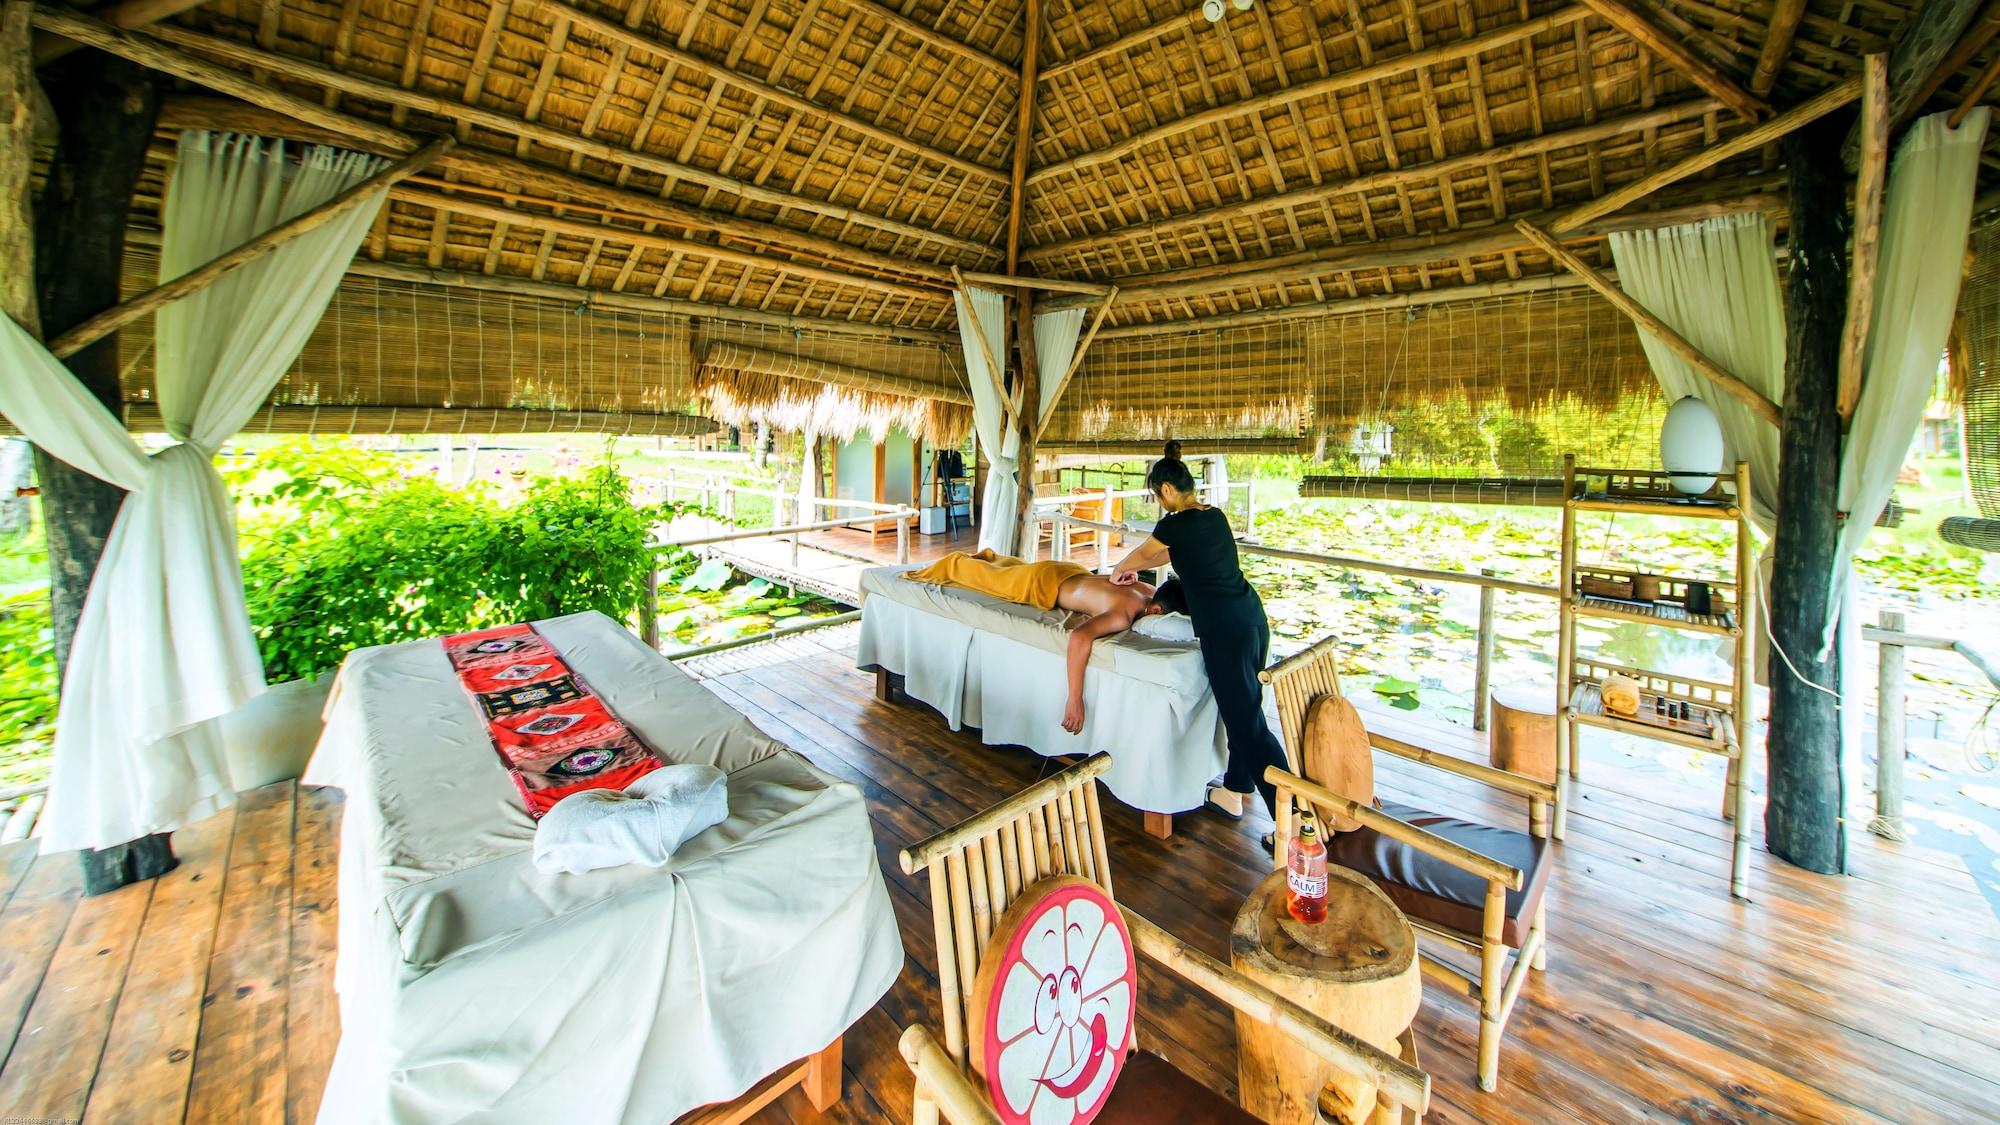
551	731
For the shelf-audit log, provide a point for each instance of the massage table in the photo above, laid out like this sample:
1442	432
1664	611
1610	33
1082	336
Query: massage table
474	988
1002	667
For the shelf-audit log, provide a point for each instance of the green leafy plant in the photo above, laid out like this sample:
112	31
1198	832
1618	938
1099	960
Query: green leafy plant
350	552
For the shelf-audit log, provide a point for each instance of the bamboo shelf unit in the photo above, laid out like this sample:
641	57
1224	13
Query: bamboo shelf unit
1719	720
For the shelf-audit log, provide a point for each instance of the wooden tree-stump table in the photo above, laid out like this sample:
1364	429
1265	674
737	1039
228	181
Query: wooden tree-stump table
1358	970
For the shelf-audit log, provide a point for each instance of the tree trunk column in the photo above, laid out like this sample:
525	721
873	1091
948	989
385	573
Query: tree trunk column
105	108
1802	822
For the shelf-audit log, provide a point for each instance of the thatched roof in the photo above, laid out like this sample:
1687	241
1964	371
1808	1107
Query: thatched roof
828	163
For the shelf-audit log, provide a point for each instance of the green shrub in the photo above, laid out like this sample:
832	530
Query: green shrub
350	553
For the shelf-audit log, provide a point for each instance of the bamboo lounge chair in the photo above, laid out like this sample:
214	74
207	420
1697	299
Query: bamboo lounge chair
1052	832
1459	882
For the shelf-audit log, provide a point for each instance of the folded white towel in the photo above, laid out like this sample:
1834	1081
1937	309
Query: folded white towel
1166	627
643	823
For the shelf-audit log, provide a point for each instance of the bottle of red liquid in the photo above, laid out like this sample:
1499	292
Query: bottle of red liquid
1305	872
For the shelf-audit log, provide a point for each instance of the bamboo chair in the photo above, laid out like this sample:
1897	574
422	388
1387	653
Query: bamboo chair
1052	828
1431	866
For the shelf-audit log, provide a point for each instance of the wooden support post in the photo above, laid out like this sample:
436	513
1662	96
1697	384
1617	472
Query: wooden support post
1891	722
902	540
1867	230
822	1078
1678	55
1482	676
105	109
1924	40
1024	140
1650	324
649	607
1029	385
1802	822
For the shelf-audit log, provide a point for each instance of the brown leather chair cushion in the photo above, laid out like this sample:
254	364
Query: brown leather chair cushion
1429	889
1151	1092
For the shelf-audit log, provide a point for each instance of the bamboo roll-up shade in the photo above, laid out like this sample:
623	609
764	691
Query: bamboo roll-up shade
1506	384
725	356
144	417
393	344
1978	353
745	398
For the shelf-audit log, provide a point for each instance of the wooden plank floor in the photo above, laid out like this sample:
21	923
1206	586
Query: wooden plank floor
206	996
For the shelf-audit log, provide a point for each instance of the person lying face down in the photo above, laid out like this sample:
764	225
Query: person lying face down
1109	607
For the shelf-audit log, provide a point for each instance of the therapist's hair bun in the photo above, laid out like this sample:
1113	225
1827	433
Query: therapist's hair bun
1173	451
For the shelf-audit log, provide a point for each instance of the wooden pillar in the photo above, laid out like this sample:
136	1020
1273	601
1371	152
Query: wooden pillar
1802	822
105	109
1031	390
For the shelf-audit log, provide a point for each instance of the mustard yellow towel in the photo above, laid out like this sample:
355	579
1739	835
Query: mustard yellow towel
1000	576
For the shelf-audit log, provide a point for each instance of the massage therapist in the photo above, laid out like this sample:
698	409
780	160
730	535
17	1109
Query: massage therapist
1228	619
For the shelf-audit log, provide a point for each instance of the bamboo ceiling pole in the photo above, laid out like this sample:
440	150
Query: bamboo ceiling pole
1867	231
1811	110
1053	284
185	111
1784	27
1676	54
17	162
1652	325
197	70
1975	39
604	29
1346	80
1024	139
1076	361
149	52
1393	177
1123	43
202	276
993	368
693	311
1972	96
126	14
1924	40
493	212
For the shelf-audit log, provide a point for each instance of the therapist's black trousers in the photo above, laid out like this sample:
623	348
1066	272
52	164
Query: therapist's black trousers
1235	639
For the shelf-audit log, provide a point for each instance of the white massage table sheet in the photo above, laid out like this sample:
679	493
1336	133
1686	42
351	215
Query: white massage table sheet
1002	667
474	988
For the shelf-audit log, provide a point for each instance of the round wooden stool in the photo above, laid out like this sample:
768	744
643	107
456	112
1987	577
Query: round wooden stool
1522	720
1359	972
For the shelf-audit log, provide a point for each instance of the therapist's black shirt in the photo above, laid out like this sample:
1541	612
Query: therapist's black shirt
1204	556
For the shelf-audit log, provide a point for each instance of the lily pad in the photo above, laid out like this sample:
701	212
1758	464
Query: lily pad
1390	685
710	576
787	611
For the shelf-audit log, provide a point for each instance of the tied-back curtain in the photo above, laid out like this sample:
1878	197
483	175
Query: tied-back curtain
1055	346
1716	283
163	648
982	314
1926	215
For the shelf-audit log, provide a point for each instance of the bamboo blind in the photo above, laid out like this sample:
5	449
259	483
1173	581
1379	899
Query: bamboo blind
1978	354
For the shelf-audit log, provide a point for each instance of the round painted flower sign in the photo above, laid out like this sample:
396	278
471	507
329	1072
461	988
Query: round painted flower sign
1054	1004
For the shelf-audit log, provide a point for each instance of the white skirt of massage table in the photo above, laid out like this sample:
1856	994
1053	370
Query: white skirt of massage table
474	988
641	1009
1164	746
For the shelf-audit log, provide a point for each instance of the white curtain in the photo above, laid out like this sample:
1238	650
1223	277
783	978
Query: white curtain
164	647
1926	214
1055	346
982	314
1716	283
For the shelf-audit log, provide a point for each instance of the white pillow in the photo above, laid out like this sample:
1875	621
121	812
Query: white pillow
1166	627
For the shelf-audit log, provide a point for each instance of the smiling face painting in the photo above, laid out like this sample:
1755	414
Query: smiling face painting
1059	1011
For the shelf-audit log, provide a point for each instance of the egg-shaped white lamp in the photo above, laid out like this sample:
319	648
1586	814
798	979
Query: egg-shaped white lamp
1213	9
1242	5
1691	446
